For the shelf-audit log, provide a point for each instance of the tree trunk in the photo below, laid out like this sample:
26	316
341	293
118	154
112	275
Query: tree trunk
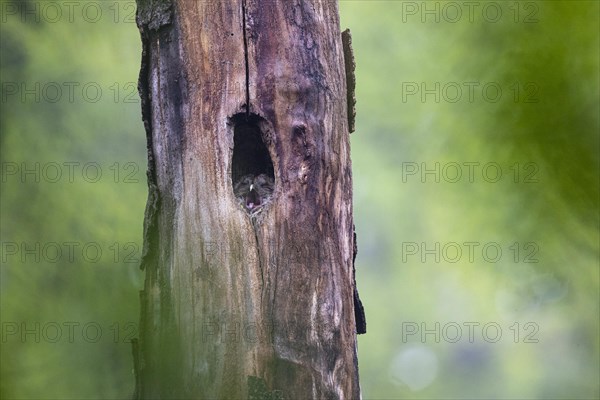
240	302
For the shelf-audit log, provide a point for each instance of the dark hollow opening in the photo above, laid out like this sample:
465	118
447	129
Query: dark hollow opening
250	155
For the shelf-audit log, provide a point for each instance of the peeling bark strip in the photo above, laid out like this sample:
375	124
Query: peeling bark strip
238	303
135	352
150	18
359	311
350	67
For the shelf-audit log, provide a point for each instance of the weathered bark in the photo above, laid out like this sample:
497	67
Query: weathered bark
238	305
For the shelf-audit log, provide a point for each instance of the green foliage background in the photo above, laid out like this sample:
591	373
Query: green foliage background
542	131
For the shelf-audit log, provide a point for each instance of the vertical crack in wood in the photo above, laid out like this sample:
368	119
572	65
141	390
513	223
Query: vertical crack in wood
260	263
247	64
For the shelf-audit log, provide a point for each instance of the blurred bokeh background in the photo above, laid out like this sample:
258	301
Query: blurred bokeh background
476	198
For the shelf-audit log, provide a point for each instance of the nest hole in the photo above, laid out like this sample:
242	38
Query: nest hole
250	154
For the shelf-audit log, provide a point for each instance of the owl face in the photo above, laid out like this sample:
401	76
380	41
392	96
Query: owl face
253	192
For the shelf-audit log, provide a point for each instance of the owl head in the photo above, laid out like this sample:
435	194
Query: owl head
253	192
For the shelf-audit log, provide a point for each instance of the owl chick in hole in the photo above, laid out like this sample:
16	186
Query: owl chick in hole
253	192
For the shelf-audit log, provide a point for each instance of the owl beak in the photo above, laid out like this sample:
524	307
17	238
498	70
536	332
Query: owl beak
251	186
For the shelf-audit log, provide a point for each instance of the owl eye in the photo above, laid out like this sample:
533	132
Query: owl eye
247	180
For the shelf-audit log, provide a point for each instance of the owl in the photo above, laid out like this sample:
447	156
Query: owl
253	192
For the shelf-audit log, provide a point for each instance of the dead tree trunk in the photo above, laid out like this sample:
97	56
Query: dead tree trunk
241	302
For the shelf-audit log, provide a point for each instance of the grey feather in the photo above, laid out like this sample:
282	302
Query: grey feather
253	192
